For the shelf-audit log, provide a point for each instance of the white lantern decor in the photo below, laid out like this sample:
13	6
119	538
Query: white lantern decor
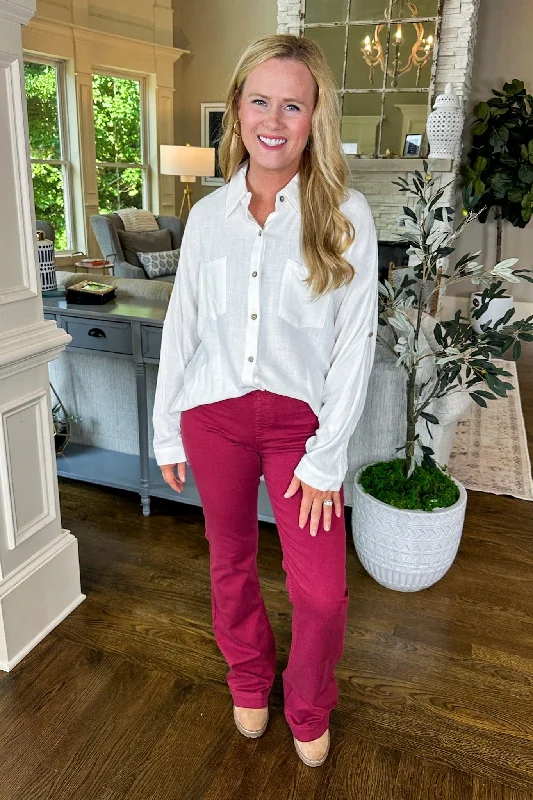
47	264
445	125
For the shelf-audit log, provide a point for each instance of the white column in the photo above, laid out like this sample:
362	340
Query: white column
39	568
164	185
84	93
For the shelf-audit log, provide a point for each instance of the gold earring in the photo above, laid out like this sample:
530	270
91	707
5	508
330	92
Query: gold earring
237	133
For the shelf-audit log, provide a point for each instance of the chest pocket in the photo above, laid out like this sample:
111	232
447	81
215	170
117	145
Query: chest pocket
213	288
296	303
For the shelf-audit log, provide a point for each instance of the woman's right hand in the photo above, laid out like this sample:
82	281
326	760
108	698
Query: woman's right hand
169	474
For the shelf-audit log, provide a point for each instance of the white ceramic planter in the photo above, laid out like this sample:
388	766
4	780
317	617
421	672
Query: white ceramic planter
497	308
402	549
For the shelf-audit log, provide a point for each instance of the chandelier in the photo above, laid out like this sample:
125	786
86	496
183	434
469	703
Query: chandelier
419	56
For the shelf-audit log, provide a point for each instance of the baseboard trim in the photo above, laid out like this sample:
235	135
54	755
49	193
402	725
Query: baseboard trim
37	597
38	560
9	665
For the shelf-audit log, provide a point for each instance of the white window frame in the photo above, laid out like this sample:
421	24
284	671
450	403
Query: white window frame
145	155
65	161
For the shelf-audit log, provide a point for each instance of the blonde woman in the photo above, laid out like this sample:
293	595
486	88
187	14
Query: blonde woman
266	352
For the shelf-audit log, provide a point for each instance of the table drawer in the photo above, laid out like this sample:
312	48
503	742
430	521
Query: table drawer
151	341
98	334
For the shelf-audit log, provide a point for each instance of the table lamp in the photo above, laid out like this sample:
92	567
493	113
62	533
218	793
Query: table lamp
189	163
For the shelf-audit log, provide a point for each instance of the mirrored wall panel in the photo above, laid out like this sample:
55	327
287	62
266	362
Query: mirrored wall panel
382	56
326	10
331	40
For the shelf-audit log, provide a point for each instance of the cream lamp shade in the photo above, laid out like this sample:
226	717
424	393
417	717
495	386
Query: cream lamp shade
187	162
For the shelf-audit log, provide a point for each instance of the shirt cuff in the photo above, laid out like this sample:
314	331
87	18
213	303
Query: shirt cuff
169	455
314	477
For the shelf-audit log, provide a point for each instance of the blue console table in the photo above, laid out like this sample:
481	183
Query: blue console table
131	329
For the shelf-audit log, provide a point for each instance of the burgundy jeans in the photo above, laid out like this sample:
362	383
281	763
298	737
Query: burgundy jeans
229	444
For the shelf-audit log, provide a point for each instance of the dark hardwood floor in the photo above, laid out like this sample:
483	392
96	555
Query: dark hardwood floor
127	697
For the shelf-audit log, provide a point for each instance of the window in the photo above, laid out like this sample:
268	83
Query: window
121	159
50	164
381	53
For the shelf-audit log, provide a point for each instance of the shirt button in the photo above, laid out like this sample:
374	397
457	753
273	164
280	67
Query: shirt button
371	333
281	198
259	233
250	358
254	274
254	316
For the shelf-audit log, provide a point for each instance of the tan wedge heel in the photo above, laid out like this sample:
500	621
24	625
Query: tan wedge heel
245	731
309	761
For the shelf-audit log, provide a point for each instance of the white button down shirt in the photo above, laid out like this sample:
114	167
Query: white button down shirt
241	319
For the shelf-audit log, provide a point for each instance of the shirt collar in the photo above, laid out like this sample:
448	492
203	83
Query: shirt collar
237	189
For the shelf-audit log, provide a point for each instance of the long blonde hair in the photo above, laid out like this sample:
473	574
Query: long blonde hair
324	171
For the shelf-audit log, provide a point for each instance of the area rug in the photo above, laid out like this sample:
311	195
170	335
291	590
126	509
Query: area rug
490	452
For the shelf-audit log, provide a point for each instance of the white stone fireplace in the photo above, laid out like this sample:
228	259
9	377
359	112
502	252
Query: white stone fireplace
454	58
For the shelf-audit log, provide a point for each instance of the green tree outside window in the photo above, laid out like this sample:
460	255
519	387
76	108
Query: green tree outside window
48	165
118	139
120	169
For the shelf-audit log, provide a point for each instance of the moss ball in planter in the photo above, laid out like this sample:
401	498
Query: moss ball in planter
426	489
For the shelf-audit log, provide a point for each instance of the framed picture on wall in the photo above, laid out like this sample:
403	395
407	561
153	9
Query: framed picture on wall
412	145
211	133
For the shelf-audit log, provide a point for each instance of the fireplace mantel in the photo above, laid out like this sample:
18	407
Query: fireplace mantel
399	165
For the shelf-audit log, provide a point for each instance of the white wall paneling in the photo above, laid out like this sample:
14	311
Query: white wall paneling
26	485
166	202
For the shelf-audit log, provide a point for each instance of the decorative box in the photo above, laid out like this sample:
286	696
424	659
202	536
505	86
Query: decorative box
90	293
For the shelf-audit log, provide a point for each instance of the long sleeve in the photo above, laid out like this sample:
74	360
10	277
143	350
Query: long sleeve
179	343
325	462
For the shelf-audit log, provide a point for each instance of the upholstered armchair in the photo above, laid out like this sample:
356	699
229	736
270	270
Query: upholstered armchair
49	232
105	227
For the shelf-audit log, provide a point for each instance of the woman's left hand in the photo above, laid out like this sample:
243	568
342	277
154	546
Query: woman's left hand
312	500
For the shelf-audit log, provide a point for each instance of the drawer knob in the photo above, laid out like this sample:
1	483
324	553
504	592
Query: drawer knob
98	332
